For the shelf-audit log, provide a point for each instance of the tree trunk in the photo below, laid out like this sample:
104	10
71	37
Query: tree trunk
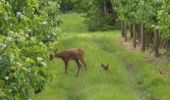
142	38
131	31
156	42
105	8
134	36
137	32
125	32
122	29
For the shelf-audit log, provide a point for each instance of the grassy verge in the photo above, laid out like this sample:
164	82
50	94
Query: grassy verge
73	22
131	76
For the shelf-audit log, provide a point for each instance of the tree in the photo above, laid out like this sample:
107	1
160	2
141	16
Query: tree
29	30
152	16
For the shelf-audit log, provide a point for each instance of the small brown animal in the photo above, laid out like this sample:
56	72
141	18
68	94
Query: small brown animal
105	67
160	72
76	54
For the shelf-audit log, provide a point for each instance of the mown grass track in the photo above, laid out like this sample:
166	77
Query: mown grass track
131	76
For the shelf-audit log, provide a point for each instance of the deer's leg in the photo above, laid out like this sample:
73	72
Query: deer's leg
79	66
66	65
82	60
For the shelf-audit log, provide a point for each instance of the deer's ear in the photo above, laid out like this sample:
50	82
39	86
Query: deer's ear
102	65
107	65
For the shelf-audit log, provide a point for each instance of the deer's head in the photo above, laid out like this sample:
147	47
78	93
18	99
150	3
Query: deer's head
105	67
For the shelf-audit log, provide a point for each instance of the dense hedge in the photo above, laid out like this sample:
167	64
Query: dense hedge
99	14
28	33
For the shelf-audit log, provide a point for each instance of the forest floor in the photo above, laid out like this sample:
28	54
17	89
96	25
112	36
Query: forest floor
130	77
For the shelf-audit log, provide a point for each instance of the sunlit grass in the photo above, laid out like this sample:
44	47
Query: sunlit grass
140	81
95	84
73	22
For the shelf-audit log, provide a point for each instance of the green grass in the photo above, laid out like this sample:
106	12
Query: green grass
73	22
131	76
143	83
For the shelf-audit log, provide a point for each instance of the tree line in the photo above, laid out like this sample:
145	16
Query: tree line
144	22
148	22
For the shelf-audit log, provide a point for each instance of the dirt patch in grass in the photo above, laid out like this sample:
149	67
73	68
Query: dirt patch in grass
148	57
128	45
130	67
155	60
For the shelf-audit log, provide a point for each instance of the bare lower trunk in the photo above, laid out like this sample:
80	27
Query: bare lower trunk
134	36
125	31
122	29
142	38
138	33
131	31
104	7
156	42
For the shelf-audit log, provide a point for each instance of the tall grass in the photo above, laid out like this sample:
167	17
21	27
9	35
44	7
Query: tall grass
142	82
131	77
73	22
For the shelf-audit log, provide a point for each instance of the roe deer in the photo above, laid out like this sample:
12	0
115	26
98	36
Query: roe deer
76	54
105	67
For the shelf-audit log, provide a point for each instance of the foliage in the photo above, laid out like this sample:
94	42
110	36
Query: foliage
154	13
29	30
164	19
99	13
68	5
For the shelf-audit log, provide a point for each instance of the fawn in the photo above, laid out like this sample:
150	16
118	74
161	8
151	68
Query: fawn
76	54
105	67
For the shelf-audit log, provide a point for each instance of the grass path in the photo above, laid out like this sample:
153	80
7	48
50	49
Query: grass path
131	76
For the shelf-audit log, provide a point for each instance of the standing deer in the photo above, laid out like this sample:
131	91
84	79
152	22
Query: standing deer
76	54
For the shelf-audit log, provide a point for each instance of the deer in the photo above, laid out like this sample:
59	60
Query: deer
76	54
105	67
